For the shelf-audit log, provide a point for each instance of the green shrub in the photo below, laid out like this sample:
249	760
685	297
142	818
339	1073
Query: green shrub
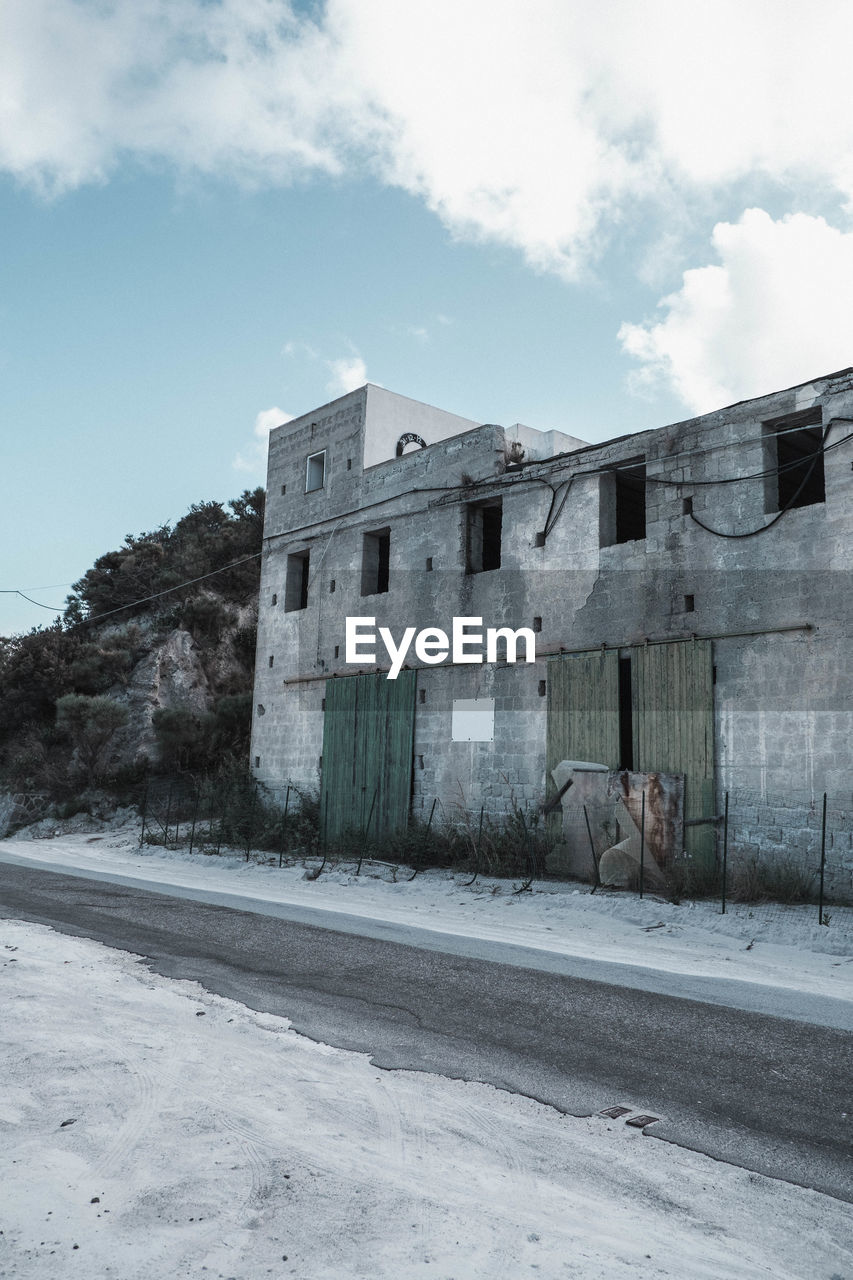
91	723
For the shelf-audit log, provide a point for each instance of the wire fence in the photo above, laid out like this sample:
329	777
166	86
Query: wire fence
777	852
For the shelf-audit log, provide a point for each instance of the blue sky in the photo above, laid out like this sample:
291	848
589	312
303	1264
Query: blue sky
217	212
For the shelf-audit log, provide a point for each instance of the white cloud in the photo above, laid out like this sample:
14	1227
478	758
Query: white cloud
292	349
254	460
537	124
348	374
774	312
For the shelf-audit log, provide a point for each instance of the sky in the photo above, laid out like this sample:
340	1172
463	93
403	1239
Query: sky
217	214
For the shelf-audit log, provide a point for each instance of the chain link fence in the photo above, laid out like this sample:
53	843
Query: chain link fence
775	851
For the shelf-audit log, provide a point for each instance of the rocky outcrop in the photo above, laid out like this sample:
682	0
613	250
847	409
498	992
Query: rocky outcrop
180	671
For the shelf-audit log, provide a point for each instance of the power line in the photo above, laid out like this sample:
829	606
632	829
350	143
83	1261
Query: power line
11	591
168	591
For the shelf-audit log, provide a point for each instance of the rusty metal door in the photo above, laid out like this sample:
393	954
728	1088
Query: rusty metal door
368	734
673	726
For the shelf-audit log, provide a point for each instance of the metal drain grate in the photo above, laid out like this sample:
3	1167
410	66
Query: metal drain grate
640	1122
613	1113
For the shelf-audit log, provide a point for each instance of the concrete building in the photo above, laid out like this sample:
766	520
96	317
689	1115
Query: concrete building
687	590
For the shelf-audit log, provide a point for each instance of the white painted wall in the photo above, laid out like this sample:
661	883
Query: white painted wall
389	416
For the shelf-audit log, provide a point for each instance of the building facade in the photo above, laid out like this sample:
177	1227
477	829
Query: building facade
687	590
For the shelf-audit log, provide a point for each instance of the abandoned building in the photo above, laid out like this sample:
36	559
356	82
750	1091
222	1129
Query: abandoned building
687	589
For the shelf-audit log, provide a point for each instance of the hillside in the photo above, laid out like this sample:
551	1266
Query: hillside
164	629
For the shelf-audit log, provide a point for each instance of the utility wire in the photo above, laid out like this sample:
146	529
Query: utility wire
752	533
168	591
10	591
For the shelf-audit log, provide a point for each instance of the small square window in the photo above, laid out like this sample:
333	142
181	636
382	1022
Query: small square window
429	564
315	472
537	624
331	586
274	600
687	506
689	604
337	650
272	659
284	488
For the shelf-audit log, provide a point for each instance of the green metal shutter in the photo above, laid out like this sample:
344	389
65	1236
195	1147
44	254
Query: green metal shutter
673	724
368	735
583	709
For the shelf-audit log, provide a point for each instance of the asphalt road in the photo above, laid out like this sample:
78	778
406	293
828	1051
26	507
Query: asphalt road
772	1094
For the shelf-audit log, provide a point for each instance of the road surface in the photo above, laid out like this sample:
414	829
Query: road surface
772	1094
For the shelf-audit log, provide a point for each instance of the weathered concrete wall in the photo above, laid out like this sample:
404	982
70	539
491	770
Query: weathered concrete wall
782	700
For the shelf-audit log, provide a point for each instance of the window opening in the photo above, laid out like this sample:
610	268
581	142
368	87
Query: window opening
296	583
631	503
795	456
484	525
315	471
623	503
375	562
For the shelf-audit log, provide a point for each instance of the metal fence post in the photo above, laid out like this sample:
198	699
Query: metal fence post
725	849
284	826
251	822
195	815
168	816
596	883
222	813
820	918
144	811
366	830
477	850
642	838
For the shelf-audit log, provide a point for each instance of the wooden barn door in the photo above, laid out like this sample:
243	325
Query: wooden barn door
368	734
673	723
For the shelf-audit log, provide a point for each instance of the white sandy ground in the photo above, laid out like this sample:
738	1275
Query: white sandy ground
777	947
212	1141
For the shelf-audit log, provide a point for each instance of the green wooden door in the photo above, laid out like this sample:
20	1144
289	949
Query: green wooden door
583	710
368	734
673	726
